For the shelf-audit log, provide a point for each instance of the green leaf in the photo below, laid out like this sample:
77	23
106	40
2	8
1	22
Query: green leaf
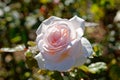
97	67
16	39
31	43
31	62
97	49
84	68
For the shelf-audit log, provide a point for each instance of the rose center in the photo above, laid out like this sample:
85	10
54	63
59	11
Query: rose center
59	35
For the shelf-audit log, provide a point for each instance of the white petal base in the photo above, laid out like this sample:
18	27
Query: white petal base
61	66
40	60
86	47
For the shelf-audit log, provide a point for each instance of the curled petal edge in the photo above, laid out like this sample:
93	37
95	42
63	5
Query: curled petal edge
40	61
86	47
46	22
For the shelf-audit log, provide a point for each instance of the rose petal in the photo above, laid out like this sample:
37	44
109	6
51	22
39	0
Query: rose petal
60	61
78	24
76	51
69	25
50	19
80	32
76	48
86	47
54	57
80	60
40	60
40	45
45	23
39	37
61	66
39	30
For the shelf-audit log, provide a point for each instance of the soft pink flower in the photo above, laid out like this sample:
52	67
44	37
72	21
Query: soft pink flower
61	44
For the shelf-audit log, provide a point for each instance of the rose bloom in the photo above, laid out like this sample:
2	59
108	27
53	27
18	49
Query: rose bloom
61	44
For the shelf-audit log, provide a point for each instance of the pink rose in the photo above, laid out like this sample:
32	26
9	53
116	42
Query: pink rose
61	44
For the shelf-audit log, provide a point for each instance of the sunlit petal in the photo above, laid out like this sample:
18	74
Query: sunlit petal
45	23
80	60
78	24
61	66
40	60
39	37
76	49
86	47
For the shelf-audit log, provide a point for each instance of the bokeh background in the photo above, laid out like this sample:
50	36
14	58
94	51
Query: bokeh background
19	20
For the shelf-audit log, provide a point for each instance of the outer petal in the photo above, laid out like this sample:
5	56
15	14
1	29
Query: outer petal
76	48
60	61
79	25
45	23
80	60
50	19
40	45
39	37
76	51
61	66
79	22
86	47
40	60
55	57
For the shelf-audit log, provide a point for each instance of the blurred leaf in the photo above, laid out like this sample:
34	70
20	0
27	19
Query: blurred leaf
113	61
56	75
97	49
15	49
95	9
97	67
84	68
66	78
16	39
31	43
28	53
27	74
42	72
107	3
44	1
115	72
24	36
30	59
31	62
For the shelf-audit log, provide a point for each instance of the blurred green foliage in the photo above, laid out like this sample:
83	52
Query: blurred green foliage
19	20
